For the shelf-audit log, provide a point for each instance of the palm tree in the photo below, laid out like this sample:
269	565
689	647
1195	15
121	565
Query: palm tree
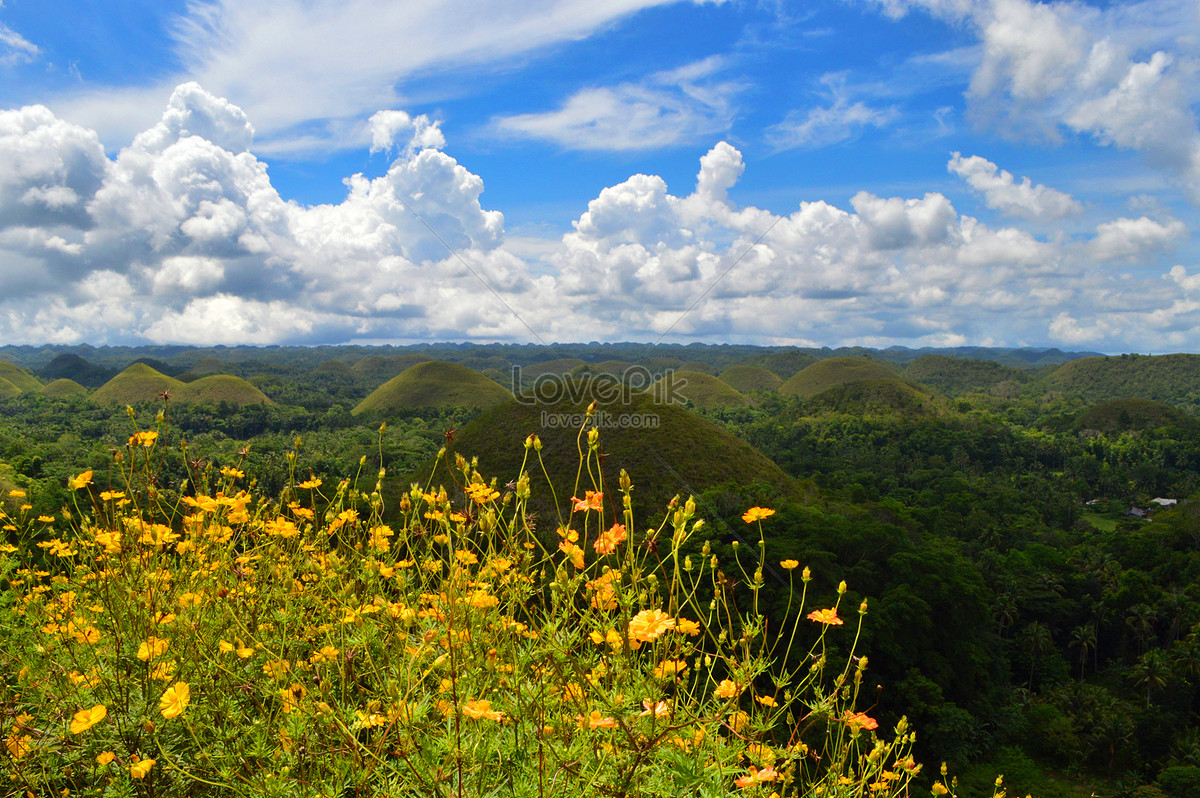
1152	671
1083	638
1039	640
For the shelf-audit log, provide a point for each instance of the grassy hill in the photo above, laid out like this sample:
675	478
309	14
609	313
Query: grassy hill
8	390
220	388
783	364
138	383
21	379
553	367
63	387
702	390
1174	379
337	368
1129	415
889	397
683	454
434	383
832	372
956	376
751	378
384	367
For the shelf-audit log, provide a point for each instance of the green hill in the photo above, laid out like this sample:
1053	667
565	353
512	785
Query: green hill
21	379
384	367
8	390
889	397
138	383
434	383
613	368
73	367
783	364
552	367
700	366
956	376
64	387
832	372
750	378
1174	379
335	367
220	388
1128	415
682	454
702	390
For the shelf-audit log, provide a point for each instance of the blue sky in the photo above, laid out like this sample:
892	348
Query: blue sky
879	172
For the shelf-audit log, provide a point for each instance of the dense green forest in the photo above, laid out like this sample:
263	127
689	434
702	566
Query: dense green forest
1024	526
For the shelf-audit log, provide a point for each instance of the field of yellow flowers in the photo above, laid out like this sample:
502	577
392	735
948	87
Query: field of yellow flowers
229	643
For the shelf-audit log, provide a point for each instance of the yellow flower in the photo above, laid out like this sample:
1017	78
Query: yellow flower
687	626
669	668
310	484
481	710
146	439
757	514
224	647
175	699
789	564
80	481
16	494
141	768
105	758
153	647
326	654
766	700
649	624
657	709
87	718
17	746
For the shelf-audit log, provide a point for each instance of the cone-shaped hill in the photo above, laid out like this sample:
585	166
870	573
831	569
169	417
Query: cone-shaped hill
832	372
682	454
434	383
784	364
747	379
886	397
138	383
1134	415
74	367
384	367
553	367
218	388
63	387
21	379
957	376
1165	378
8	390
702	390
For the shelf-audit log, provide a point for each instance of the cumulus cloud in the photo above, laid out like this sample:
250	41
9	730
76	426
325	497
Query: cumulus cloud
667	108
182	238
1124	75
1002	192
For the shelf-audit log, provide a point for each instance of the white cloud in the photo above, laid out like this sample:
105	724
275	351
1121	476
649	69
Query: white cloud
397	130
840	119
291	63
672	107
15	48
182	238
1002	192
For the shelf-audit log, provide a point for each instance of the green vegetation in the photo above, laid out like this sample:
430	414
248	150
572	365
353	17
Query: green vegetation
433	384
138	383
1174	379
18	377
960	376
384	367
220	388
8	390
700	390
826	374
1130	415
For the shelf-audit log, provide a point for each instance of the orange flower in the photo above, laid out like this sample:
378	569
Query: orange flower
592	500
80	481
608	541
596	721
757	776
649	624
757	514
828	616
726	689
481	710
860	720
650	707
87	718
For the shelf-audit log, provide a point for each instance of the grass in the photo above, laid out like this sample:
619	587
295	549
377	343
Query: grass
1103	523
21	379
384	367
220	388
138	383
8	390
63	387
433	384
832	372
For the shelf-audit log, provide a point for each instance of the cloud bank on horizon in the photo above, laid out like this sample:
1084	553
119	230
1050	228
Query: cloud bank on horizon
179	235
